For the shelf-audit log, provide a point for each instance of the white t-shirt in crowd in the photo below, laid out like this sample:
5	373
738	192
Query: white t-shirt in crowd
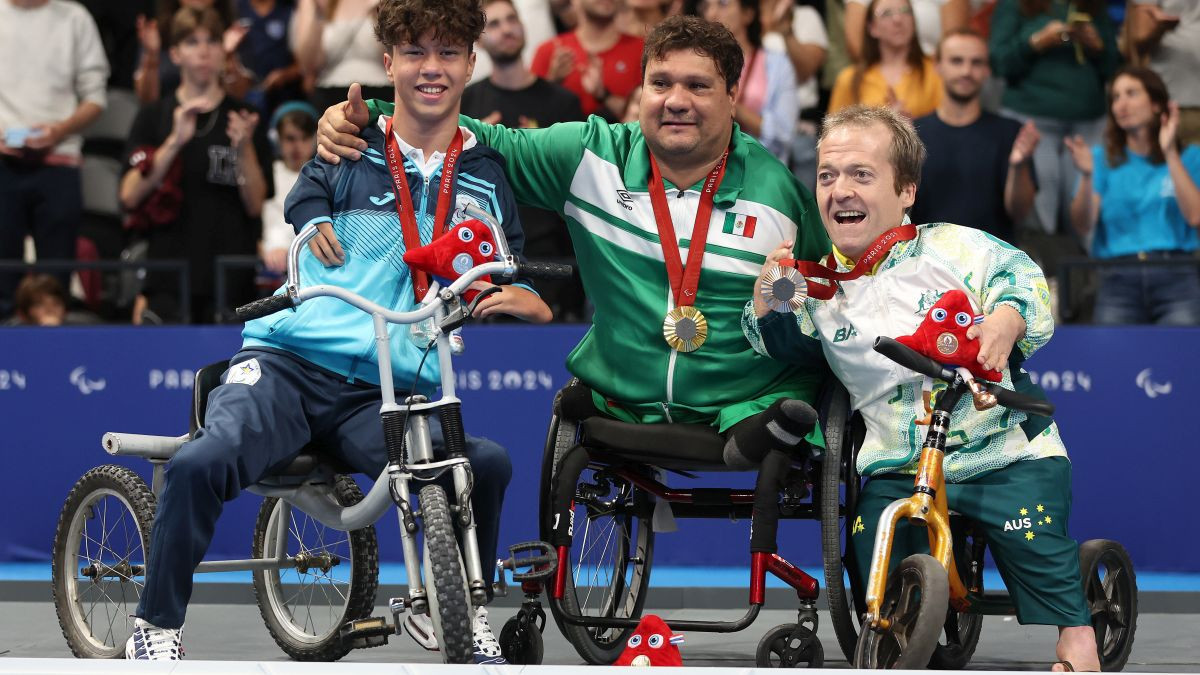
809	29
1177	58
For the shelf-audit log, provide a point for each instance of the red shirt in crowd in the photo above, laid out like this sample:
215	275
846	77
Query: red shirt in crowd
621	67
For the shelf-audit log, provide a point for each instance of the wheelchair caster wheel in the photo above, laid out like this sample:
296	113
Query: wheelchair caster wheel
915	604
789	645
521	642
1110	587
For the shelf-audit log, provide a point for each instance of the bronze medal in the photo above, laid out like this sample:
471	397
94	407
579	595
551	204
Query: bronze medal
685	328
783	289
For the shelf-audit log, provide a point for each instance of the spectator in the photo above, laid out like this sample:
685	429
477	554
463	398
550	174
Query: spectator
41	301
224	173
934	18
515	97
537	19
51	87
294	127
117	22
892	71
156	74
1055	61
265	51
800	32
639	17
335	45
978	170
765	100
596	61
1168	31
1138	200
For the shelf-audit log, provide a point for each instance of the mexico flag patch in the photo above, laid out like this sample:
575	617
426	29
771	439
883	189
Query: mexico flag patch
739	224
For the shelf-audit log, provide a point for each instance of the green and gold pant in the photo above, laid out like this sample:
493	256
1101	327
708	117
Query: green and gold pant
1023	511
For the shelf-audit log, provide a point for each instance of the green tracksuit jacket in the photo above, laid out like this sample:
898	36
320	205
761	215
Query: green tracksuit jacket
595	175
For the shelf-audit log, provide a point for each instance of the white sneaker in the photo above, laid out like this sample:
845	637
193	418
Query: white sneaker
151	643
420	628
487	649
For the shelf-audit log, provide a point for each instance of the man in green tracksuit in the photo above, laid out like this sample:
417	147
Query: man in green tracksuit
664	346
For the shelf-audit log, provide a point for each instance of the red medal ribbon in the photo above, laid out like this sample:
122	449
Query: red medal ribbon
684	280
878	250
408	217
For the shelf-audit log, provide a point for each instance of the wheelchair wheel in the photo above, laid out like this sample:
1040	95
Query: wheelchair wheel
960	634
450	606
837	508
333	580
611	552
1110	587
789	646
521	642
101	544
915	602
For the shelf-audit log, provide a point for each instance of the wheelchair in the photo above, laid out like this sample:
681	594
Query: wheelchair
929	610
314	554
602	492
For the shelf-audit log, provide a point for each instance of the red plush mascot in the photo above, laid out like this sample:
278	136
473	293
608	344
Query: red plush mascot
942	336
651	644
448	257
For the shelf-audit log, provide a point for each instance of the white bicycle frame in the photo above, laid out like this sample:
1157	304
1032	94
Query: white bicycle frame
314	494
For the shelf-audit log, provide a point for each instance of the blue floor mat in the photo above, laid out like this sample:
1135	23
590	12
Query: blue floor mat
667	577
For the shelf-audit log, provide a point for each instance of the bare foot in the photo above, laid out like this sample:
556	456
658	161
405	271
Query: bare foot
1077	645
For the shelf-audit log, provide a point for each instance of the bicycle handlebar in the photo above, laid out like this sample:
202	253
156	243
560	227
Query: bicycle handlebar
263	307
546	270
926	366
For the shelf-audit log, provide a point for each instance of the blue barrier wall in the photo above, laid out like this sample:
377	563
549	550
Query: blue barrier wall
1126	399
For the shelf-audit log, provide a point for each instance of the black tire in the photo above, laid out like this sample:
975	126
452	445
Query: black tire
837	508
1110	587
304	608
789	646
450	605
960	632
918	593
96	616
521	642
623	512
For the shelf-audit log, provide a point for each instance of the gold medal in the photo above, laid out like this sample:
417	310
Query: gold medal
685	328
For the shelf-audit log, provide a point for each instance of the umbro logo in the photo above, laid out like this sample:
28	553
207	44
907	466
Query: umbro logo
625	200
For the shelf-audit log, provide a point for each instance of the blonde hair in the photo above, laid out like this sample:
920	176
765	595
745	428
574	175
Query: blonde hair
907	152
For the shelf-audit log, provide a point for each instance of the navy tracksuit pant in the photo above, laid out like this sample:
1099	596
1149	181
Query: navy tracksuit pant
257	421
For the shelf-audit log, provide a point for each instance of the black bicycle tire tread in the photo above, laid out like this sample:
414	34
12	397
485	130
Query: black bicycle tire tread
935	592
364	584
1096	547
139	496
445	575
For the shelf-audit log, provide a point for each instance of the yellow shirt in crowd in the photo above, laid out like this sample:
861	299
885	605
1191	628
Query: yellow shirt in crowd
919	95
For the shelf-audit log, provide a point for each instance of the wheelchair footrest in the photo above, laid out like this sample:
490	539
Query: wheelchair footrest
363	633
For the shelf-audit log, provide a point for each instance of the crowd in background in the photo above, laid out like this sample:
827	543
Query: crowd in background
154	132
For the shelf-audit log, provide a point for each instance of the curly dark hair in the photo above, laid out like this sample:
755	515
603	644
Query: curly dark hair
405	21
706	38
